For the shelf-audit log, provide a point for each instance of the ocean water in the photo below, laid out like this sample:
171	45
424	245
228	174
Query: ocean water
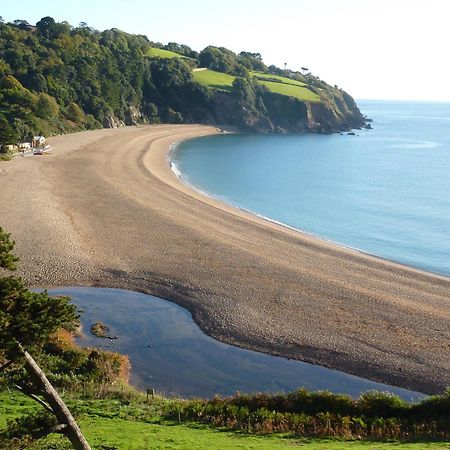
384	191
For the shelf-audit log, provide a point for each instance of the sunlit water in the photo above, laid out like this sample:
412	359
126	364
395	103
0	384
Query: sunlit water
169	352
385	191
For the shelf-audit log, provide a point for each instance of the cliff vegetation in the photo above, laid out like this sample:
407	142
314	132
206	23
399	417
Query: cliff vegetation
56	78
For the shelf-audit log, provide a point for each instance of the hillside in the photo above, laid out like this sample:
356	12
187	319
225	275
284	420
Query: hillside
55	78
276	84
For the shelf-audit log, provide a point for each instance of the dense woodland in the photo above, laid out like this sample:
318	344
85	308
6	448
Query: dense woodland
56	78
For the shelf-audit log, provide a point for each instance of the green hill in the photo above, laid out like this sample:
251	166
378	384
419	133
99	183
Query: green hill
261	76
274	83
286	86
55	78
216	80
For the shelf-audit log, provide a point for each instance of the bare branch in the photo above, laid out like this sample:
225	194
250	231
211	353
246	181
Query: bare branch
59	408
34	397
61	428
5	366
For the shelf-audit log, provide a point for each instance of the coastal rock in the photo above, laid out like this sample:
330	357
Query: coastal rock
134	116
112	122
281	114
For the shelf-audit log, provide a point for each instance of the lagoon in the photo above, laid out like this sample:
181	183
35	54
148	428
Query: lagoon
169	352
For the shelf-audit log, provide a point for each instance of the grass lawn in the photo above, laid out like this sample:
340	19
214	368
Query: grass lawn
216	80
285	86
160	53
269	76
126	435
300	92
107	424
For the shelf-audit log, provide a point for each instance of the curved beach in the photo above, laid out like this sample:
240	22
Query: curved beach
106	210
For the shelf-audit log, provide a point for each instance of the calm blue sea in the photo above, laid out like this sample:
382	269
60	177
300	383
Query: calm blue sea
385	191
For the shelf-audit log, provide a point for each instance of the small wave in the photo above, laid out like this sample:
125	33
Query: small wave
175	170
411	144
408	143
444	118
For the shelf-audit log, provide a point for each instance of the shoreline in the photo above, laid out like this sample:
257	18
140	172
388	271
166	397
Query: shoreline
107	210
179	175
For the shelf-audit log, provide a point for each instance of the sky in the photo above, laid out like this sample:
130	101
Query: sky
374	49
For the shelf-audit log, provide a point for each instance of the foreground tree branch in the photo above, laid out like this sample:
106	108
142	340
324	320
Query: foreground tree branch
34	397
59	408
27	320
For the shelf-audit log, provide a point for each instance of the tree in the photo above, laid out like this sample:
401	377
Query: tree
27	319
47	107
7	134
218	58
46	26
75	113
22	24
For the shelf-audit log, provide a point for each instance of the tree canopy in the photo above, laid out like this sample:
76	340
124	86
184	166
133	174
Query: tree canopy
56	78
27	318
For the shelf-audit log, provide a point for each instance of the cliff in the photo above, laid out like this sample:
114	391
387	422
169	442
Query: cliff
274	113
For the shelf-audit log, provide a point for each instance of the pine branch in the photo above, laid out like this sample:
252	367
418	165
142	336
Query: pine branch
28	393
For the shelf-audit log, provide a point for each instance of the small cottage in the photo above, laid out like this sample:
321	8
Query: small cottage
38	141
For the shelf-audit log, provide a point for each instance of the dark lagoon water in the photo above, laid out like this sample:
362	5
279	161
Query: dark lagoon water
169	352
385	191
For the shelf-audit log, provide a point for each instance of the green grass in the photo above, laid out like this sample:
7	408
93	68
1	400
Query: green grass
300	92
110	423
269	76
215	80
284	86
160	53
126	435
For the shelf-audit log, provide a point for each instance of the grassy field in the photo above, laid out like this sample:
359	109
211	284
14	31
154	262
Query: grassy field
300	92
126	435
286	86
283	86
216	80
128	426
269	76
160	53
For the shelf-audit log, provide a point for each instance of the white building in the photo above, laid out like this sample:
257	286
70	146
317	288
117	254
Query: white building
38	141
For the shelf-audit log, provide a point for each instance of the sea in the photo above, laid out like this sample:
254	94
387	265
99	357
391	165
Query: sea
384	191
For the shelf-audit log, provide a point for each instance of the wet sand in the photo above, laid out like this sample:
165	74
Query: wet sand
106	210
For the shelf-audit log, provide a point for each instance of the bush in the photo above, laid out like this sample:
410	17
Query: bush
375	415
47	107
381	404
31	426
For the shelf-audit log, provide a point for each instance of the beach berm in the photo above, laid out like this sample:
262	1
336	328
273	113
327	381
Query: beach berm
104	209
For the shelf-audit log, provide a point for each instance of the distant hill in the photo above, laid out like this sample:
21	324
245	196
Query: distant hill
55	78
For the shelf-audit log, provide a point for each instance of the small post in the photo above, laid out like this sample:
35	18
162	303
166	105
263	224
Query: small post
150	392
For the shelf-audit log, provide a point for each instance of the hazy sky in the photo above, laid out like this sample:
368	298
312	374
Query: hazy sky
387	49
